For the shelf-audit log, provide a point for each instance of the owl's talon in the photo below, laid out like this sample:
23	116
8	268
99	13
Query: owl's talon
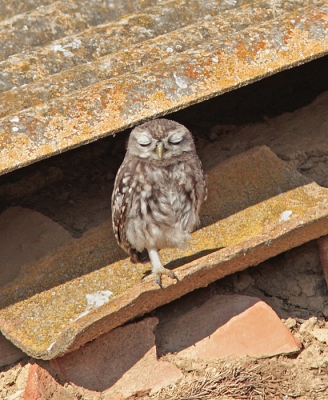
164	271
157	268
172	275
158	279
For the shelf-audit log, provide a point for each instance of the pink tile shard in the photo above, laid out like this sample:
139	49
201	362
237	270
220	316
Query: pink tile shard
228	326
127	354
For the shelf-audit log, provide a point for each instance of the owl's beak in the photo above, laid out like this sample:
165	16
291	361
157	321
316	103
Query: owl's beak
160	150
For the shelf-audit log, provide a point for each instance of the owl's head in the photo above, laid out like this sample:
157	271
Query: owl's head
160	139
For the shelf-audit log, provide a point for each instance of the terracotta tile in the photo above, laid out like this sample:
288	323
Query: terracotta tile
42	386
121	362
227	326
26	236
9	353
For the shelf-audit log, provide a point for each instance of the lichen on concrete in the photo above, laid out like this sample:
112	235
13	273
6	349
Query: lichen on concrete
148	76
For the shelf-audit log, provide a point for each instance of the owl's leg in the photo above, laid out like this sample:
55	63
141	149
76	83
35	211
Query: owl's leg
157	268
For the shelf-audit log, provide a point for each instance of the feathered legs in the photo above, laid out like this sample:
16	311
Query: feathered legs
157	268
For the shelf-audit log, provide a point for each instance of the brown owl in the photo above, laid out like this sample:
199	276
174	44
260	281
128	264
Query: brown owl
158	192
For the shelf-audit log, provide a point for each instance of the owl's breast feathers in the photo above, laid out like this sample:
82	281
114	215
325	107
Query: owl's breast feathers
151	197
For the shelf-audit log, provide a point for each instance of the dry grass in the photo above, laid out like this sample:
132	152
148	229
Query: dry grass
232	382
245	379
235	383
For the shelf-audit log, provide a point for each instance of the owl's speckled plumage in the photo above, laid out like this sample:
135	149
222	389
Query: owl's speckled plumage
158	192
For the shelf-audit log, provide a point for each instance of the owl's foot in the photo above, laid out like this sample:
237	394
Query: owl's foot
163	271
157	268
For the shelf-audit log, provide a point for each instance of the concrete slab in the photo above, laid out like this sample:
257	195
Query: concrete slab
226	326
258	207
80	76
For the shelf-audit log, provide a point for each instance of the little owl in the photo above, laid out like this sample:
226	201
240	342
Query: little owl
158	192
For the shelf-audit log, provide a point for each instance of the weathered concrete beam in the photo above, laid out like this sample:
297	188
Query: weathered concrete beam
170	84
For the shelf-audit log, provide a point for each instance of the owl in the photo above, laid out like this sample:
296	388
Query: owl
158	193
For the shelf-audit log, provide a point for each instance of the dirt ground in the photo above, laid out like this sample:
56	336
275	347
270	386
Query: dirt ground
286	112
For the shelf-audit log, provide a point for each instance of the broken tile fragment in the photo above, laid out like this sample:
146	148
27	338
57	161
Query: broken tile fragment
8	352
227	326
26	236
41	385
127	354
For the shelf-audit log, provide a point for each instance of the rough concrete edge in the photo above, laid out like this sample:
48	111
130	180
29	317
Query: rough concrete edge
194	275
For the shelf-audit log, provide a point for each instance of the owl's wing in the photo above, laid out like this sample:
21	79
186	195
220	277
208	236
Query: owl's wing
121	205
200	184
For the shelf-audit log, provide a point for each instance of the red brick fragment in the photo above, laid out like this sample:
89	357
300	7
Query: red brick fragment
42	386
